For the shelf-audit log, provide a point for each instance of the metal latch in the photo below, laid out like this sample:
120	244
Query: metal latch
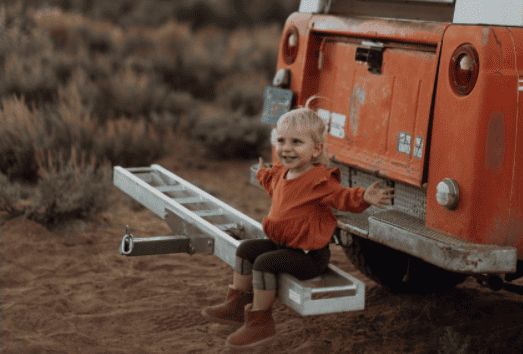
373	56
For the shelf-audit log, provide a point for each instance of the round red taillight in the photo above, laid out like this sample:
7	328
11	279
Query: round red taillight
290	45
464	69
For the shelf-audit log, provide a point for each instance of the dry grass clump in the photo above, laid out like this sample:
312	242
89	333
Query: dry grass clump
65	190
70	190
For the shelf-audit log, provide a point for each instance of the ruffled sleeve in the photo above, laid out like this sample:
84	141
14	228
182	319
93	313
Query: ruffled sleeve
266	176
341	197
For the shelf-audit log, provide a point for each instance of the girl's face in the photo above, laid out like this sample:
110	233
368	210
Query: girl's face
295	149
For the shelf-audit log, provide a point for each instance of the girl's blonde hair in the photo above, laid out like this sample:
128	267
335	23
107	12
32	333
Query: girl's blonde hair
303	116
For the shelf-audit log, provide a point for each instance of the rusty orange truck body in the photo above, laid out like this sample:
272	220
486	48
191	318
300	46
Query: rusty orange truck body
429	101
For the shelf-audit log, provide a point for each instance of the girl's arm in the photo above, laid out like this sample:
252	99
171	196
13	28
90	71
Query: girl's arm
346	199
264	176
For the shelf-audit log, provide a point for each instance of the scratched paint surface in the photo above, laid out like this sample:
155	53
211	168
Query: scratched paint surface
385	113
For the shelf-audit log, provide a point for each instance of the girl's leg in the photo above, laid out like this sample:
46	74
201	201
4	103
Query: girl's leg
246	255
263	299
242	282
295	262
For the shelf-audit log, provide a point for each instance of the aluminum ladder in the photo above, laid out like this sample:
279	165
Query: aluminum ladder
203	224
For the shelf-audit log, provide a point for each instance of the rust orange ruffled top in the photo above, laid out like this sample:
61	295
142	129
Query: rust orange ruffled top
300	215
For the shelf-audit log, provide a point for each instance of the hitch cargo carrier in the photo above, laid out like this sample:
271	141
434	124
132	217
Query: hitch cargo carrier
203	224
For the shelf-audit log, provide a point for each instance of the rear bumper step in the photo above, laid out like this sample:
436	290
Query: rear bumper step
408	234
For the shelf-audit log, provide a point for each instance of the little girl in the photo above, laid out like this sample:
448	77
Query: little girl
300	225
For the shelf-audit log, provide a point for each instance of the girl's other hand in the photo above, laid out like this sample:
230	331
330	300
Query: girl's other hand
378	197
262	165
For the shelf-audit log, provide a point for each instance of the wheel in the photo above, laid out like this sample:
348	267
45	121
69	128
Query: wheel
389	267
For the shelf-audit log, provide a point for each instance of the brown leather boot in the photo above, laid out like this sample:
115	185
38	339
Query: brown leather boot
258	329
230	312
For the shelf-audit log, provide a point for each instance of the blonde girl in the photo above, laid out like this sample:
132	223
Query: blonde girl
299	226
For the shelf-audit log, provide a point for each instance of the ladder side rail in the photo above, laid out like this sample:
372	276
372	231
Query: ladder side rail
251	226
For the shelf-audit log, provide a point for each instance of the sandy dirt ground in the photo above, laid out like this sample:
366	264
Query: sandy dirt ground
68	290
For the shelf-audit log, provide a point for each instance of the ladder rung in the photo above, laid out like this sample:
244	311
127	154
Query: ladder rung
139	169
190	200
224	227
157	179
171	188
209	212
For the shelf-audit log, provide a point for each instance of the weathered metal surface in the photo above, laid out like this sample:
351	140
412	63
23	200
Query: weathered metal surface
409	234
474	142
386	29
379	119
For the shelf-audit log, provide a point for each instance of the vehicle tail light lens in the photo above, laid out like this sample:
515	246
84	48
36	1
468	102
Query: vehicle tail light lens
290	45
464	69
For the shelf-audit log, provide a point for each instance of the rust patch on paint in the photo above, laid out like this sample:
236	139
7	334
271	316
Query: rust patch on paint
357	98
495	144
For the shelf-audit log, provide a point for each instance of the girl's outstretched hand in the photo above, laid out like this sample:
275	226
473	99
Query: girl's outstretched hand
262	165
378	197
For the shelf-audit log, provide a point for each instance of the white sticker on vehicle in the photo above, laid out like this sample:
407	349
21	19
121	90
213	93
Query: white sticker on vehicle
338	125
418	149
294	296
325	116
404	143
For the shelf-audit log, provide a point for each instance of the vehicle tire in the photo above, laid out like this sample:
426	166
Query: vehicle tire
388	267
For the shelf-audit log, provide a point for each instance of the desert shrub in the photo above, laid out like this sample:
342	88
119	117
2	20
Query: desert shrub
227	14
254	50
229	135
25	61
21	131
68	190
178	102
205	62
132	92
242	92
130	144
138	42
10	193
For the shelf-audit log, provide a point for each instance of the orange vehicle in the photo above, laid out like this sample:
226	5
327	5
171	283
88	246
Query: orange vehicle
425	96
